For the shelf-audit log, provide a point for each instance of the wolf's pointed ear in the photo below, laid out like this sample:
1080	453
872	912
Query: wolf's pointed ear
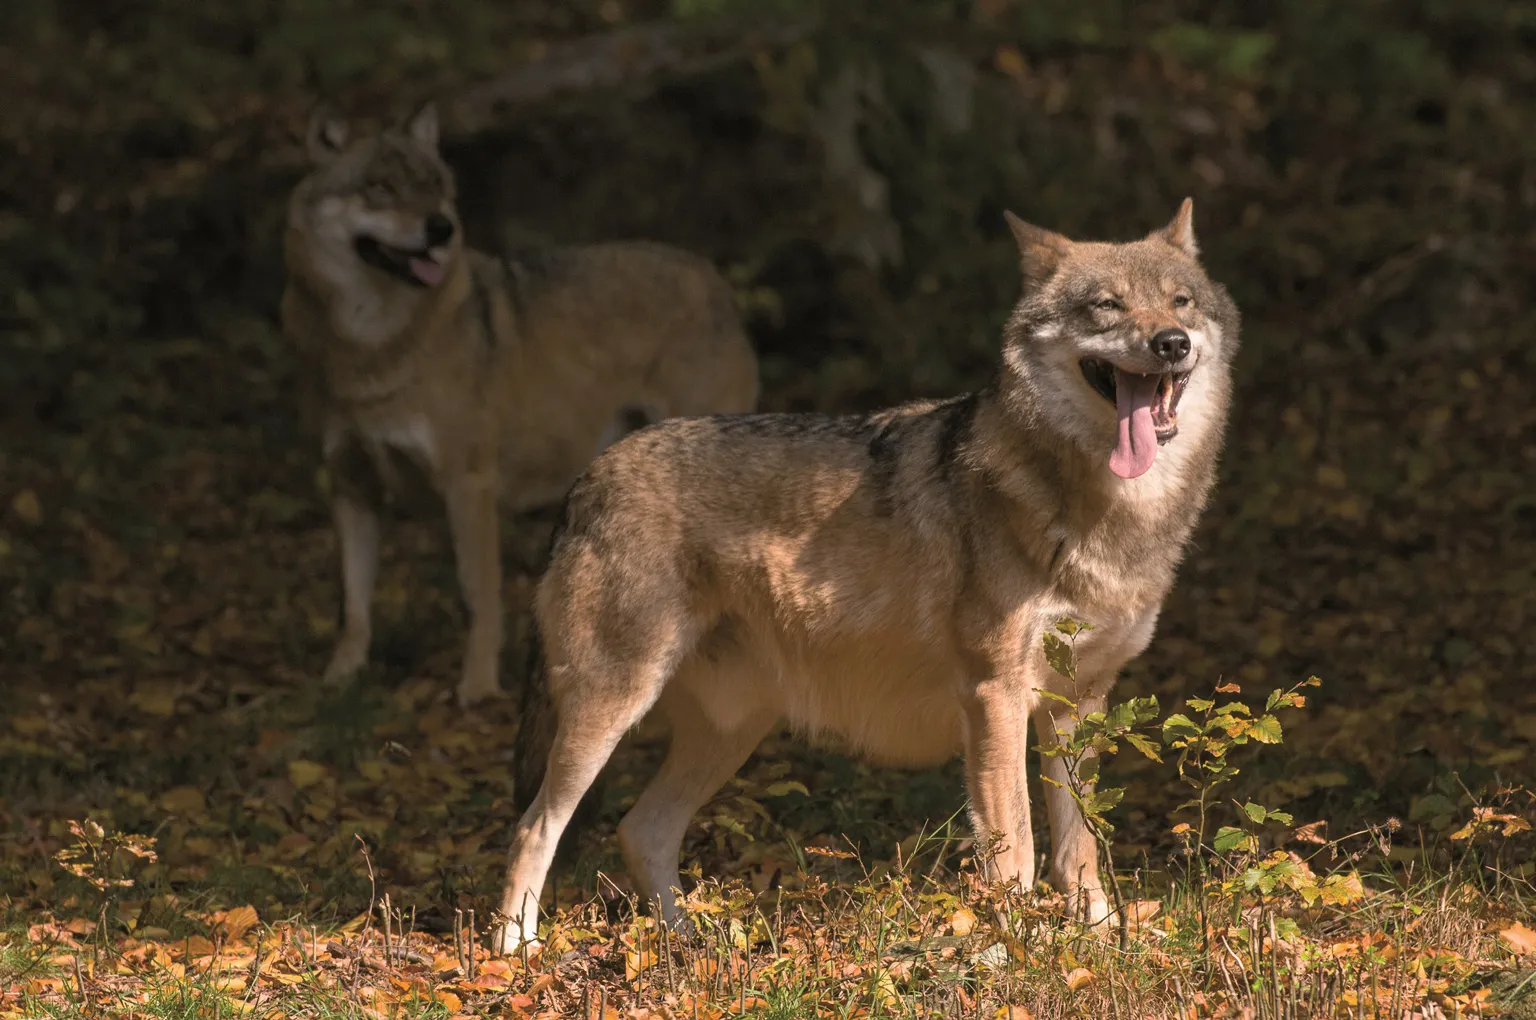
1040	250
326	135
1180	231
422	126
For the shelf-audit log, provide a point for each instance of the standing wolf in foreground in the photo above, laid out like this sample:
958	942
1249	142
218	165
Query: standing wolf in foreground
886	579
499	379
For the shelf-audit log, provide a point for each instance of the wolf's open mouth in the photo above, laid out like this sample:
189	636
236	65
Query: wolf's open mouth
414	266
1102	376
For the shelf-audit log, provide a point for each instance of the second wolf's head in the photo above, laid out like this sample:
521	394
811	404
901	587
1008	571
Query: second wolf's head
375	217
1111	341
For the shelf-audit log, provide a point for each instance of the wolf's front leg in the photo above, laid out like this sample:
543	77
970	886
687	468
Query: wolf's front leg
472	516
357	535
1074	851
995	735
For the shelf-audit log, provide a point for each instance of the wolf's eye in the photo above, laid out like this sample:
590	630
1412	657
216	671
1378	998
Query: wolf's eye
1108	304
1182	301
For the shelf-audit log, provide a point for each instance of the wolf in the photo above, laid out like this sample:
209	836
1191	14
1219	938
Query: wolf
886	579
497	380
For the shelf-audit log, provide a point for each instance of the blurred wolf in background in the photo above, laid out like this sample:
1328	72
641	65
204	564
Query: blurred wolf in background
887	578
498	379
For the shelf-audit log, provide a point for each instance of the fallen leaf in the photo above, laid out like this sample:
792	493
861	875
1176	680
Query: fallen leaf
963	921
184	800
235	923
1519	939
1082	977
303	773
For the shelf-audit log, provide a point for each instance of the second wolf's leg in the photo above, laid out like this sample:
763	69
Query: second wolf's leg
1074	851
357	535
472	517
703	755
995	736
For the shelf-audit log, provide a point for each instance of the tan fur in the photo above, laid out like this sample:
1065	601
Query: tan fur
499	382
882	579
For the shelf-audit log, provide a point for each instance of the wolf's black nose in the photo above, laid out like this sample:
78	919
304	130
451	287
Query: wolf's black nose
439	230
1170	344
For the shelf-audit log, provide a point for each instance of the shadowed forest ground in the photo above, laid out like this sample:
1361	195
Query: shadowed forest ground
1364	181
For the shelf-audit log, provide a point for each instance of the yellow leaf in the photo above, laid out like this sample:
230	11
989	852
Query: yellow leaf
963	921
637	961
193	947
184	800
238	921
1082	977
302	773
31	725
1519	939
452	1003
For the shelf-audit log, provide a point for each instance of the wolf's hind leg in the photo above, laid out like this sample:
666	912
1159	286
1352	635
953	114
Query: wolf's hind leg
598	696
703	755
586	735
357	534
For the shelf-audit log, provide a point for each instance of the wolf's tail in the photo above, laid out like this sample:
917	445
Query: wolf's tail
536	726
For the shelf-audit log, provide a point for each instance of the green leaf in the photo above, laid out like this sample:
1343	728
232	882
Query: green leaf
1283	817
1144	745
1059	699
1266	730
1255	812
1233	708
1059	656
1199	704
1071	627
1228	839
785	788
1178	726
1088	770
1103	800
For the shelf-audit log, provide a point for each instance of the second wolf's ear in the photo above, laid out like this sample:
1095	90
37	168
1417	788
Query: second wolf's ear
1180	231
326	136
422	127
1040	250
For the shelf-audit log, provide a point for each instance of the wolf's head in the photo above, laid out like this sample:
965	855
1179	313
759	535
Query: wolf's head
1110	341
376	212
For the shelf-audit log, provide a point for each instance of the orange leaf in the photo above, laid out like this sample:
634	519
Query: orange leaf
1519	939
238	921
1082	977
452	1003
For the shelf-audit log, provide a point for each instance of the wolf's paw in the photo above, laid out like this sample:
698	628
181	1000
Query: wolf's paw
350	656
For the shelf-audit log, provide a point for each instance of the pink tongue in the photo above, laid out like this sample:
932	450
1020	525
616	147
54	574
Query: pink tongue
1137	446
427	271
